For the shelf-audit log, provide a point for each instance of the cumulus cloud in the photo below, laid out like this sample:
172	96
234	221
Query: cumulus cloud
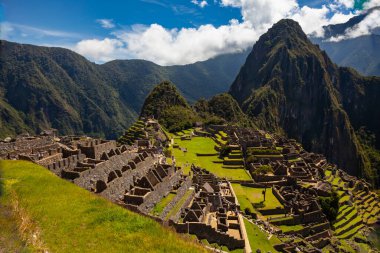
371	4
201	3
188	45
106	23
171	46
101	50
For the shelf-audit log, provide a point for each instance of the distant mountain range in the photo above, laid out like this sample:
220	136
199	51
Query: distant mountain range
43	87
361	53
289	86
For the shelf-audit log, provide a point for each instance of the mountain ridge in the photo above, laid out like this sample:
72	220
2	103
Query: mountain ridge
43	87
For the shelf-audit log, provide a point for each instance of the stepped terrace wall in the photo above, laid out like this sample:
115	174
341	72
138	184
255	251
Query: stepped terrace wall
204	231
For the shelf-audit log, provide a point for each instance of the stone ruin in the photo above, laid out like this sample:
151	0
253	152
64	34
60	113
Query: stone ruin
211	213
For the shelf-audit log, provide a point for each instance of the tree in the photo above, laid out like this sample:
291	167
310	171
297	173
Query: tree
264	192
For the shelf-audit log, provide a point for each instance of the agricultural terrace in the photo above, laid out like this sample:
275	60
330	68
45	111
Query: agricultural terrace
249	197
259	239
201	152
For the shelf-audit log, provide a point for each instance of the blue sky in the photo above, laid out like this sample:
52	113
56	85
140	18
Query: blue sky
105	30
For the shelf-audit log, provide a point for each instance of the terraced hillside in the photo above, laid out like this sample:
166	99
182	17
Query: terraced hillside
203	151
57	216
358	207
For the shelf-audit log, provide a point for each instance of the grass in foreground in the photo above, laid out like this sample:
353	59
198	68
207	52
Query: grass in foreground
70	219
205	145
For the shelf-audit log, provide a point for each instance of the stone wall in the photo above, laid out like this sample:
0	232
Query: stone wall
66	163
97	148
117	187
161	190
50	159
204	231
103	169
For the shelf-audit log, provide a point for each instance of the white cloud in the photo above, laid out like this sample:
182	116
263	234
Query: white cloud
201	3
371	4
101	50
188	45
312	20
348	4
365	27
169	47
106	23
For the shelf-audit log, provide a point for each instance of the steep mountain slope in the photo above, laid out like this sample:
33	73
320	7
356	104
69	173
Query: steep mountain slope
221	109
288	85
44	87
53	87
361	53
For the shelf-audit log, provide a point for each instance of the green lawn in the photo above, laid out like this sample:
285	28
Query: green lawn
71	219
160	206
204	145
247	195
259	239
291	228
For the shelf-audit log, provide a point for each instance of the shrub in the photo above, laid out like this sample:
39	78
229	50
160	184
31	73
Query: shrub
168	152
330	206
225	150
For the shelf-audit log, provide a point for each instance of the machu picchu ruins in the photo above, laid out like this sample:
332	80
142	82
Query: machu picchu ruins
151	172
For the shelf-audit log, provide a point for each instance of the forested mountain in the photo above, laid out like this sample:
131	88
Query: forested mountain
42	87
289	86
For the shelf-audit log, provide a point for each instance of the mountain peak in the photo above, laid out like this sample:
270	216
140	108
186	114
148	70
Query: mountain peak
286	28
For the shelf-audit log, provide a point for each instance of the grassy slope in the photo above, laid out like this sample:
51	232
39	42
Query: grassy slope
205	145
259	239
70	219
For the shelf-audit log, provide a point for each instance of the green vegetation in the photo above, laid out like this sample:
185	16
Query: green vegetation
71	219
275	95
84	97
225	150
179	204
330	206
264	169
263	151
205	145
225	107
368	141
259	239
160	206
162	97
10	238
178	118
290	228
248	196
136	131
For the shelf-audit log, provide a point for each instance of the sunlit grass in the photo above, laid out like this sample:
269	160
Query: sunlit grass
73	220
214	164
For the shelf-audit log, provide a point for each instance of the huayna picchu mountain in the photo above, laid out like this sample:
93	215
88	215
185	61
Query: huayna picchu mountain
289	86
44	87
